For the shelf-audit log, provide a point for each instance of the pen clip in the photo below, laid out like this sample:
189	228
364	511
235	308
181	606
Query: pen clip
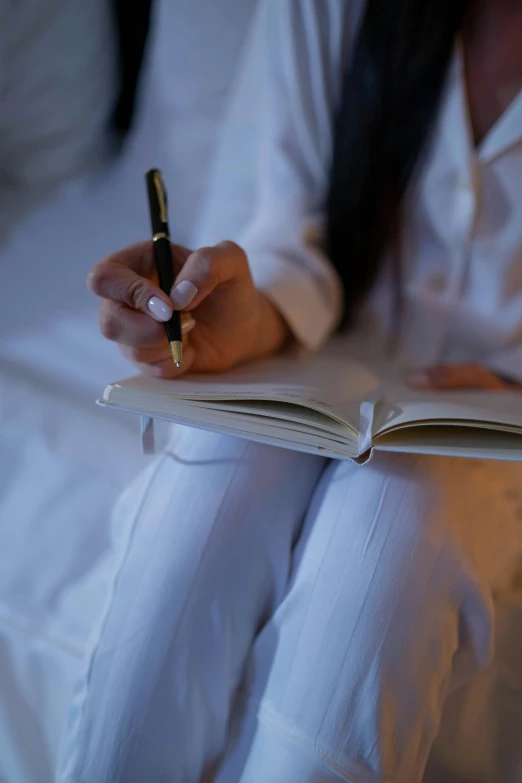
162	196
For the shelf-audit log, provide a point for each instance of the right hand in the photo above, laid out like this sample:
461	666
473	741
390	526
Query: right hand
226	319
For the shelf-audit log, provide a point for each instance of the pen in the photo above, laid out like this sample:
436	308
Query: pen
163	255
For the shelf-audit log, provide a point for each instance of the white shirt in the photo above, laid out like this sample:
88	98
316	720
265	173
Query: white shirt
462	238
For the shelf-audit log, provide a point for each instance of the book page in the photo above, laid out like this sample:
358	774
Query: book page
264	429
454	440
401	406
327	382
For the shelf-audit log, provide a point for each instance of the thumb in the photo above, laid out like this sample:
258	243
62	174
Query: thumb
206	269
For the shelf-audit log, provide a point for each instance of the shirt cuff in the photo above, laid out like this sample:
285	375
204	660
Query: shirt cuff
507	363
311	307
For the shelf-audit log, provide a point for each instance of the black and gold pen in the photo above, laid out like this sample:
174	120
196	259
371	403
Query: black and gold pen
163	255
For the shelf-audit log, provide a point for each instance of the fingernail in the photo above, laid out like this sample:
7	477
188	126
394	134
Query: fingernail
183	294
187	325
158	309
418	378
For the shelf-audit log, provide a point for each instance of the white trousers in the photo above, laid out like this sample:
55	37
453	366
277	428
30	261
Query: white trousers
288	619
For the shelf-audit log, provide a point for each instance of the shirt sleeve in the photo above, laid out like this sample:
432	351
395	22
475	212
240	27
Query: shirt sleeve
507	363
273	166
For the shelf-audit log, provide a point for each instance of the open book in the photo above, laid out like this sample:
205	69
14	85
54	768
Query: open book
331	405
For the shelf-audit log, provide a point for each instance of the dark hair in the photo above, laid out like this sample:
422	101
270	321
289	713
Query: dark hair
132	23
389	102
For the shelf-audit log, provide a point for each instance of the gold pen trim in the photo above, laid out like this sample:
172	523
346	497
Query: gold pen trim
161	194
160	235
176	348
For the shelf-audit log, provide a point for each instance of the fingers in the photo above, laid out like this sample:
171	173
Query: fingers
128	278
118	284
206	269
127	326
140	259
124	325
455	377
133	306
162	366
157	351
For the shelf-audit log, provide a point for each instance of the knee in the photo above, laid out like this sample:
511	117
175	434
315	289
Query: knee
387	517
378	541
404	567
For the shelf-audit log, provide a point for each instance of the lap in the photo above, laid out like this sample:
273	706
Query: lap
226	483
224	514
472	506
403	542
389	604
207	537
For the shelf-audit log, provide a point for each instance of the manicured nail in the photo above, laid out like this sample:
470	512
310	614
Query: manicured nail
187	325
183	294
418	378
158	309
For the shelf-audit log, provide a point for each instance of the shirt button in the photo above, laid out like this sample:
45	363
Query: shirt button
437	282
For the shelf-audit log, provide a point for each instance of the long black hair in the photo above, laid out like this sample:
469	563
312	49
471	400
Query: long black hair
390	97
132	21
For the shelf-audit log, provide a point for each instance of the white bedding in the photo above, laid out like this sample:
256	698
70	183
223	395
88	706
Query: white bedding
63	463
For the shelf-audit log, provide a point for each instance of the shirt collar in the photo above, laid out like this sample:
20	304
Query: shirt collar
454	122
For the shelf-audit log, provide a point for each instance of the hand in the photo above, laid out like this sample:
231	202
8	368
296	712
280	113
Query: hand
226	320
454	377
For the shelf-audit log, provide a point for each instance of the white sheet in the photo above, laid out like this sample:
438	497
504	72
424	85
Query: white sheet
63	464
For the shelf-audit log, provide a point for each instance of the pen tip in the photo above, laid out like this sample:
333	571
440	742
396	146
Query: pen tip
176	349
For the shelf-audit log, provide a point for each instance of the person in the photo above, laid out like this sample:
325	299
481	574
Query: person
284	617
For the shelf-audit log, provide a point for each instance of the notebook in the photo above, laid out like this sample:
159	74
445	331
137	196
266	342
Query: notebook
332	405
